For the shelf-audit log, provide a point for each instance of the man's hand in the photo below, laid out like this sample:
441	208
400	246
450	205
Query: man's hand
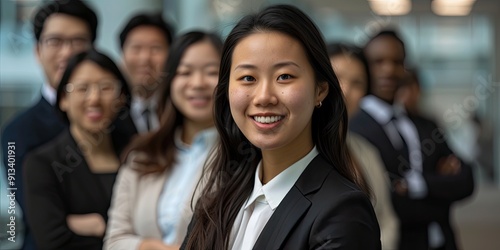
155	244
401	187
449	165
87	224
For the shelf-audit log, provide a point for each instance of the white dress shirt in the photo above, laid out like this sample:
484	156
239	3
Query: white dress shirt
181	182
137	109
49	93
263	201
383	113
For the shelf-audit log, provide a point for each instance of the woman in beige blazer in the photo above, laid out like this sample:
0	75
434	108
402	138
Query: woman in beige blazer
352	71
152	198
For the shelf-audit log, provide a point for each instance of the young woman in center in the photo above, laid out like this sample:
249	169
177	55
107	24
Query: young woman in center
282	177
151	207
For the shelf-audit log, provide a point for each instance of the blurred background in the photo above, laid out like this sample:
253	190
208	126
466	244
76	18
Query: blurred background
453	43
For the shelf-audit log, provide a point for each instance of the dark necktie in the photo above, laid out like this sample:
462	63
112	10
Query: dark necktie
145	114
403	150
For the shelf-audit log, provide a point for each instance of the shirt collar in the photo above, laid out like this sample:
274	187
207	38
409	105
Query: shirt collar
49	94
140	104
206	137
276	189
381	111
399	110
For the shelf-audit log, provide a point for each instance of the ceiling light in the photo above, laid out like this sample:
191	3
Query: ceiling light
452	7
390	7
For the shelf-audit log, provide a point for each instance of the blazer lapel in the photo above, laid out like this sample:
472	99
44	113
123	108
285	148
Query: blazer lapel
294	205
283	220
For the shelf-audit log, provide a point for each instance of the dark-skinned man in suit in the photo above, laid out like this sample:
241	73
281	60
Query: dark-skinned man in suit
427	177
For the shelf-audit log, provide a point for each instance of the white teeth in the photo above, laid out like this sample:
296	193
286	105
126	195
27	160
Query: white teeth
202	98
94	111
267	119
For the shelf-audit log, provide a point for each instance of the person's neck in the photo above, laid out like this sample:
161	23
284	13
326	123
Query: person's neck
190	129
276	161
92	143
388	101
143	94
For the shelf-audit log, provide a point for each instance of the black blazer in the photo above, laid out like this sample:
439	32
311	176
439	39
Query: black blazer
415	215
30	129
323	210
58	183
38	125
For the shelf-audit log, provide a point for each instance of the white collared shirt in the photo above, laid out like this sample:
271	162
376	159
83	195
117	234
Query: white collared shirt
49	93
137	109
383	113
263	201
174	204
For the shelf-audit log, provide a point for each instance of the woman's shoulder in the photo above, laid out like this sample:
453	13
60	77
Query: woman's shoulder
134	163
334	187
322	182
340	198
359	145
59	147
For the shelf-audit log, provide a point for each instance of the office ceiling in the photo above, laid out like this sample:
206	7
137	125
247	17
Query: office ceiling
362	6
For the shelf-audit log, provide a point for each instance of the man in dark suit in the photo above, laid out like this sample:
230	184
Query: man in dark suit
145	41
62	29
426	175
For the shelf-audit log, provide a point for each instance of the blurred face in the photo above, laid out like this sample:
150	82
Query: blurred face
272	97
62	37
144	54
353	80
92	98
385	56
409	95
193	86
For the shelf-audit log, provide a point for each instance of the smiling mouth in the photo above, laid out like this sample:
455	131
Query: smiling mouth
94	113
267	119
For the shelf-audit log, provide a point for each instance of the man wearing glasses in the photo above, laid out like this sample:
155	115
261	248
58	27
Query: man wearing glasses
62	28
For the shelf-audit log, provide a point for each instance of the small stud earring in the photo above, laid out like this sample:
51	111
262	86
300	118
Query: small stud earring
319	104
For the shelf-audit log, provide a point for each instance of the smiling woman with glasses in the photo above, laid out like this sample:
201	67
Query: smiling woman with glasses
69	180
107	88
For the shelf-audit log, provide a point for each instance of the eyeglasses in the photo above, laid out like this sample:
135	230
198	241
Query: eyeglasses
107	89
76	43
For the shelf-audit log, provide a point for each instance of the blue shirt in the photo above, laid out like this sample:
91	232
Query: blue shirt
174	206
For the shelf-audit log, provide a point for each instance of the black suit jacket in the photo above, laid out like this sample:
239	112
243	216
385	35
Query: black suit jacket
58	183
38	125
32	128
323	210
415	215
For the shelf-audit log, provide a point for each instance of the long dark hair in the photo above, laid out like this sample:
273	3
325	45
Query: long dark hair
231	175
159	146
119	127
